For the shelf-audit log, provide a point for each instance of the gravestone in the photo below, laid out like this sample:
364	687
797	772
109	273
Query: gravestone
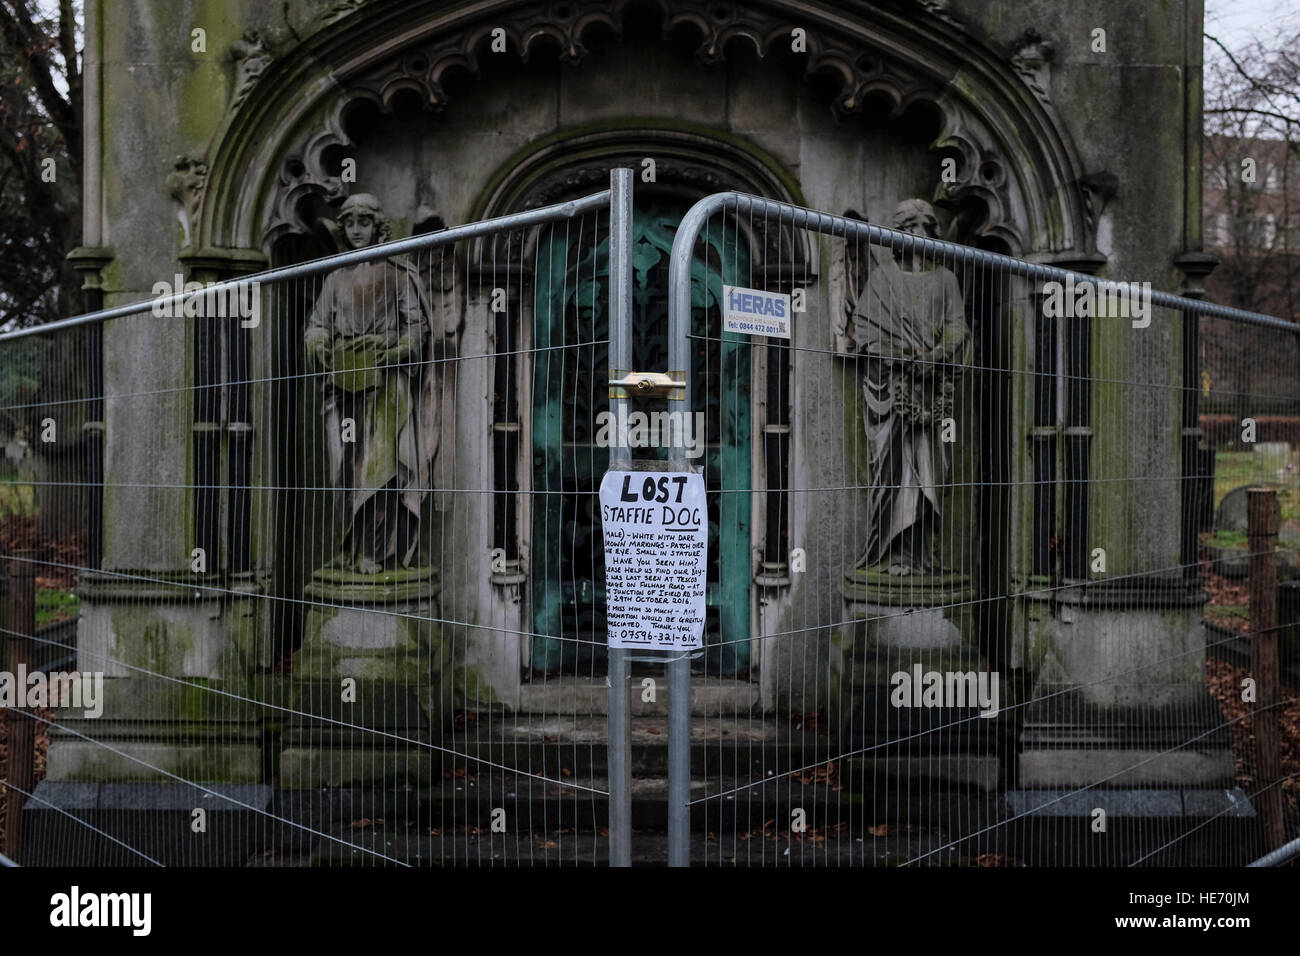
1234	562
1270	461
1231	513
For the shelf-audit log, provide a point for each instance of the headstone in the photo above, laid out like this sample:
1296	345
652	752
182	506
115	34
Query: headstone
1234	562
1231	514
1270	462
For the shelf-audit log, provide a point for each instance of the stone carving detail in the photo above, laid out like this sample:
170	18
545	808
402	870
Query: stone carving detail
185	185
938	8
1031	58
860	78
421	69
302	177
775	243
718	23
251	57
337	11
908	328
1098	189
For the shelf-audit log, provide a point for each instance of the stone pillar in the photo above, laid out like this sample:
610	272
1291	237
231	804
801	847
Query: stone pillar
171	627
496	653
1116	654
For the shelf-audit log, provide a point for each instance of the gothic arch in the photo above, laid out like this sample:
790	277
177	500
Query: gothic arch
995	116
691	161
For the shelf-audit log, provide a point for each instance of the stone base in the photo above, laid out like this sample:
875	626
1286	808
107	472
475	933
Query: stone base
390	733
151	728
155	819
1067	741
909	627
373	626
178	623
1185	827
380	631
919	611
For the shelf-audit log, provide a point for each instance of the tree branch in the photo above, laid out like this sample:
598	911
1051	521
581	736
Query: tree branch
1290	121
31	46
68	44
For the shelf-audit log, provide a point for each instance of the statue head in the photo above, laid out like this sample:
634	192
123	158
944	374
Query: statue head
363	220
916	216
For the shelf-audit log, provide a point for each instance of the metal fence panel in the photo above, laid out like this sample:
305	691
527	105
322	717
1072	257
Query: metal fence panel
980	586
318	541
987	503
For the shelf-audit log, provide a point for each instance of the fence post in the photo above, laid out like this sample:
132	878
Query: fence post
21	750
1262	526
620	357
679	667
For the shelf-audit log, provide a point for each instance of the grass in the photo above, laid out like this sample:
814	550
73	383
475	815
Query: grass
1238	541
1232	469
52	605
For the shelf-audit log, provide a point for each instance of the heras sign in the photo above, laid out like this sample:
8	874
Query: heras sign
755	312
656	528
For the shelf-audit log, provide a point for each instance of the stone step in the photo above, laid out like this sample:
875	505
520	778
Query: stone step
731	803
542	744
394	847
550	745
582	696
721	804
570	836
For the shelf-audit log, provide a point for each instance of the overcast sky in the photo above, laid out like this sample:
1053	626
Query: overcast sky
1238	22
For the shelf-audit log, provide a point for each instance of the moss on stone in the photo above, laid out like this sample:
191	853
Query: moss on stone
147	640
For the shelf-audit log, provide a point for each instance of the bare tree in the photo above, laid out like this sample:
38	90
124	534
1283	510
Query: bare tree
1252	191
40	159
1252	167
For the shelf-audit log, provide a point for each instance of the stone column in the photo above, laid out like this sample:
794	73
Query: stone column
178	633
1116	654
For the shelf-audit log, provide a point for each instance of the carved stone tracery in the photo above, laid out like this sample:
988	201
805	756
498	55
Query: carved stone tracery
419	70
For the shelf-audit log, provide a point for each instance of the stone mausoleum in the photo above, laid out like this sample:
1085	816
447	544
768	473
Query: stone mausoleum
1071	135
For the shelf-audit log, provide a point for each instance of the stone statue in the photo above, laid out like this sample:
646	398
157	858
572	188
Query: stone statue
908	326
372	331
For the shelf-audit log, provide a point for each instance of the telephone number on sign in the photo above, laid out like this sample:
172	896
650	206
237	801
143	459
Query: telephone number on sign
627	634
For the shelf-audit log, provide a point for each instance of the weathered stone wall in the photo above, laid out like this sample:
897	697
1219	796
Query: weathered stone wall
1124	112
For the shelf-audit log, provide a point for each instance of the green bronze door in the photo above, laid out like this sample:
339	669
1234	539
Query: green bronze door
569	393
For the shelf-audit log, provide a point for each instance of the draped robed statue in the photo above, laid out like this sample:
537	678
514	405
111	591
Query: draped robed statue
907	325
374	335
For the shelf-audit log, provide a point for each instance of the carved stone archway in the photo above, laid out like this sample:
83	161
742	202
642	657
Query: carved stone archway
995	117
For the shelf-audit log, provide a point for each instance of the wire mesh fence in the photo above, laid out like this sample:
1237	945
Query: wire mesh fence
276	529
310	566
992	514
